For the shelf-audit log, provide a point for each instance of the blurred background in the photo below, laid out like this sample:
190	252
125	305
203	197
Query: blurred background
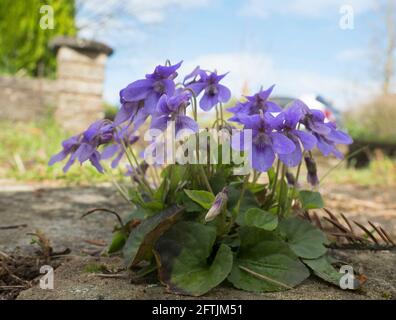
63	62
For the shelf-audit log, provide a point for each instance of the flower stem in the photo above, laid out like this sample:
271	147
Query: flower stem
237	207
138	169
194	104
221	114
282	185
273	191
201	169
205	178
156	175
122	192
298	173
217	117
256	176
138	177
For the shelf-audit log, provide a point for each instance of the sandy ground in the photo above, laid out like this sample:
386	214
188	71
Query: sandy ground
57	212
71	281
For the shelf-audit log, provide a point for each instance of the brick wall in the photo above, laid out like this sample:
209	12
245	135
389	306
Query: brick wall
76	95
80	77
23	99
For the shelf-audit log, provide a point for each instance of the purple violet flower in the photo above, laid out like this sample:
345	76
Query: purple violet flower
70	146
287	123
214	92
83	147
152	87
326	134
132	113
121	138
173	108
254	104
265	142
327	143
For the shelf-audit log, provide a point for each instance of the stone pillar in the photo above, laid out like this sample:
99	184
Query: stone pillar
80	77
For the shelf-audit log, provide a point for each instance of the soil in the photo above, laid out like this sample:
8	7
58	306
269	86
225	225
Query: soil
19	271
72	281
57	213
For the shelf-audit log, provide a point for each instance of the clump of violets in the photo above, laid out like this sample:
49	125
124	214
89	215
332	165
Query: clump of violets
276	129
200	223
286	135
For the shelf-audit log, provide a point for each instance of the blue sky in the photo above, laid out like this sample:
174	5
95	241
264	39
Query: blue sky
296	44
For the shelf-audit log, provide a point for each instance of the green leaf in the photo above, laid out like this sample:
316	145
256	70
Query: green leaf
255	217
271	176
265	263
153	206
219	180
140	242
137	213
311	200
118	241
322	268
176	174
188	204
283	190
256	188
203	198
136	197
182	255
162	191
248	200
304	239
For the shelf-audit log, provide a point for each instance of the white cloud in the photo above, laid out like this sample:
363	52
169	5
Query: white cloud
305	8
113	21
256	70
352	54
155	11
259	69
144	11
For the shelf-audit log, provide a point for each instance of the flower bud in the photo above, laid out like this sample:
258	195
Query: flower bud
291	180
312	175
218	205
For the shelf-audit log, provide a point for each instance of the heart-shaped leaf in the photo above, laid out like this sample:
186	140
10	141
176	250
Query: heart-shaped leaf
304	239
322	268
255	217
140	242
248	200
182	255
203	198
311	199
265	263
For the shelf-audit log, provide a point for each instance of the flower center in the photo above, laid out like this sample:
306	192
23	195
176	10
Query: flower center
159	87
212	90
261	139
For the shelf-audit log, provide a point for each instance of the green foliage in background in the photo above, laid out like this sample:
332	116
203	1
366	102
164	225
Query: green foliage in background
23	43
381	171
26	148
374	121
